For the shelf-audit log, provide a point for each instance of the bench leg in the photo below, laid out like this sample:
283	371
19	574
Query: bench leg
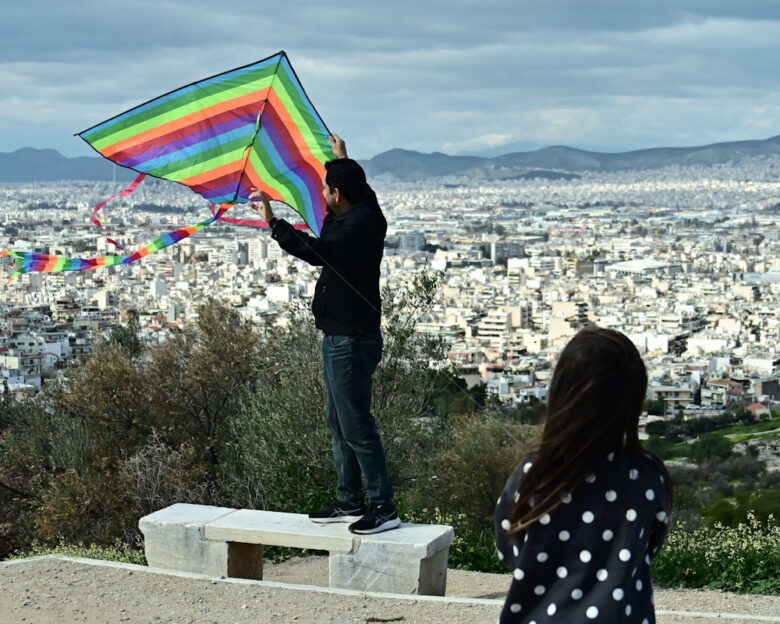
375	567
433	574
245	560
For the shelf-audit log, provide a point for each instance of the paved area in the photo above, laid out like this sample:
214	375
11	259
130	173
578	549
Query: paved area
63	590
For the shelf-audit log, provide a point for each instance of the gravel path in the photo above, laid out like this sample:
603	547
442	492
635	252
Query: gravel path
55	590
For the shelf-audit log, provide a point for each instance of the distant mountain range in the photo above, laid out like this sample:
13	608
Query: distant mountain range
44	165
551	161
558	161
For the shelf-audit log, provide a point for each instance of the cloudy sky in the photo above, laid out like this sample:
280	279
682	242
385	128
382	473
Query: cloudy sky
429	75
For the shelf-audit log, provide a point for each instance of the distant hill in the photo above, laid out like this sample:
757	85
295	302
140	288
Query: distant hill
409	165
557	161
42	165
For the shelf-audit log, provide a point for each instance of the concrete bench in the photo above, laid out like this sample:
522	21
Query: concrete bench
219	541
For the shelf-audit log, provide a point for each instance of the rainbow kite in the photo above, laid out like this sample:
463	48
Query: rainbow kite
253	126
249	127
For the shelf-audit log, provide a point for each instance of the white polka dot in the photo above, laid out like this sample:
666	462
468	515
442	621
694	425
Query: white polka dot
539	590
662	478
649	495
562	572
610	456
505	524
576	594
645	621
624	554
607	535
617	594
631	515
633	572
587	517
592	613
541	557
590	478
498	502
519	574
545	519
639	585
515	608
525	539
611	496
551	609
585	556
566	499
517	496
661	516
628	609
527	467
647	559
642	533
500	556
515	551
564	536
602	574
633	474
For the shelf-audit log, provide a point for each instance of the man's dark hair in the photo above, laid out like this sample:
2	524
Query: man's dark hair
348	177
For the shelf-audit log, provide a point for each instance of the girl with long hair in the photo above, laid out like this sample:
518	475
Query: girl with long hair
580	519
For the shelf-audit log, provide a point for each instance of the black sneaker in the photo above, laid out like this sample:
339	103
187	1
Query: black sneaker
338	512
378	518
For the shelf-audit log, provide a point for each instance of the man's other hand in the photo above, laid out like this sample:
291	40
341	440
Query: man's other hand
264	207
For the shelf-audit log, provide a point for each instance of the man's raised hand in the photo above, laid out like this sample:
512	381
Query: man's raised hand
338	145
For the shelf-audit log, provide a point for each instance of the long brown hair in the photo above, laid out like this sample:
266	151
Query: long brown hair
594	403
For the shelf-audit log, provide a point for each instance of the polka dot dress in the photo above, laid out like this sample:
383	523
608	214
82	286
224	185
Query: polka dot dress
589	559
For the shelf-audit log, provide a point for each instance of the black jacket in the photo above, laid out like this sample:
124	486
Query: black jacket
349	250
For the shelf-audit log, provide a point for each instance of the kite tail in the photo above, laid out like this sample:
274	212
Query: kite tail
31	262
133	185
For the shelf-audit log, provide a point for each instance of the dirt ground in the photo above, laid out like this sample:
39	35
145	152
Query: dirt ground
55	590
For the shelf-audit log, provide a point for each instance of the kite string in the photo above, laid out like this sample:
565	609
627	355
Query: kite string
251	222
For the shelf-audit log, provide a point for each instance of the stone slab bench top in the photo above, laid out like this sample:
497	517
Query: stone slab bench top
273	528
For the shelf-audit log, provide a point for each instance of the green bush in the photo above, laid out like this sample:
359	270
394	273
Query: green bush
761	505
743	559
468	474
711	446
116	552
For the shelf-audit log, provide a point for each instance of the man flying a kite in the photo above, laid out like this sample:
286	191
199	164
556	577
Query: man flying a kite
347	308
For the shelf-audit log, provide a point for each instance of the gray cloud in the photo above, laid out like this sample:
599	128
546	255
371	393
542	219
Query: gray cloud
423	75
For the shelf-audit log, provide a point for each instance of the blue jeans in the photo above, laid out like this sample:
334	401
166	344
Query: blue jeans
350	362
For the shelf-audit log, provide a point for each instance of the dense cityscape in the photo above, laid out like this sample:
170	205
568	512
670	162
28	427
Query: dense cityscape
685	260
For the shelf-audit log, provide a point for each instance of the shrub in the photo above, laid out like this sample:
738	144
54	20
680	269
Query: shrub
118	551
763	506
711	446
468	475
744	559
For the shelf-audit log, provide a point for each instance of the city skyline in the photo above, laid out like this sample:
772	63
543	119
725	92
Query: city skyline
461	77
